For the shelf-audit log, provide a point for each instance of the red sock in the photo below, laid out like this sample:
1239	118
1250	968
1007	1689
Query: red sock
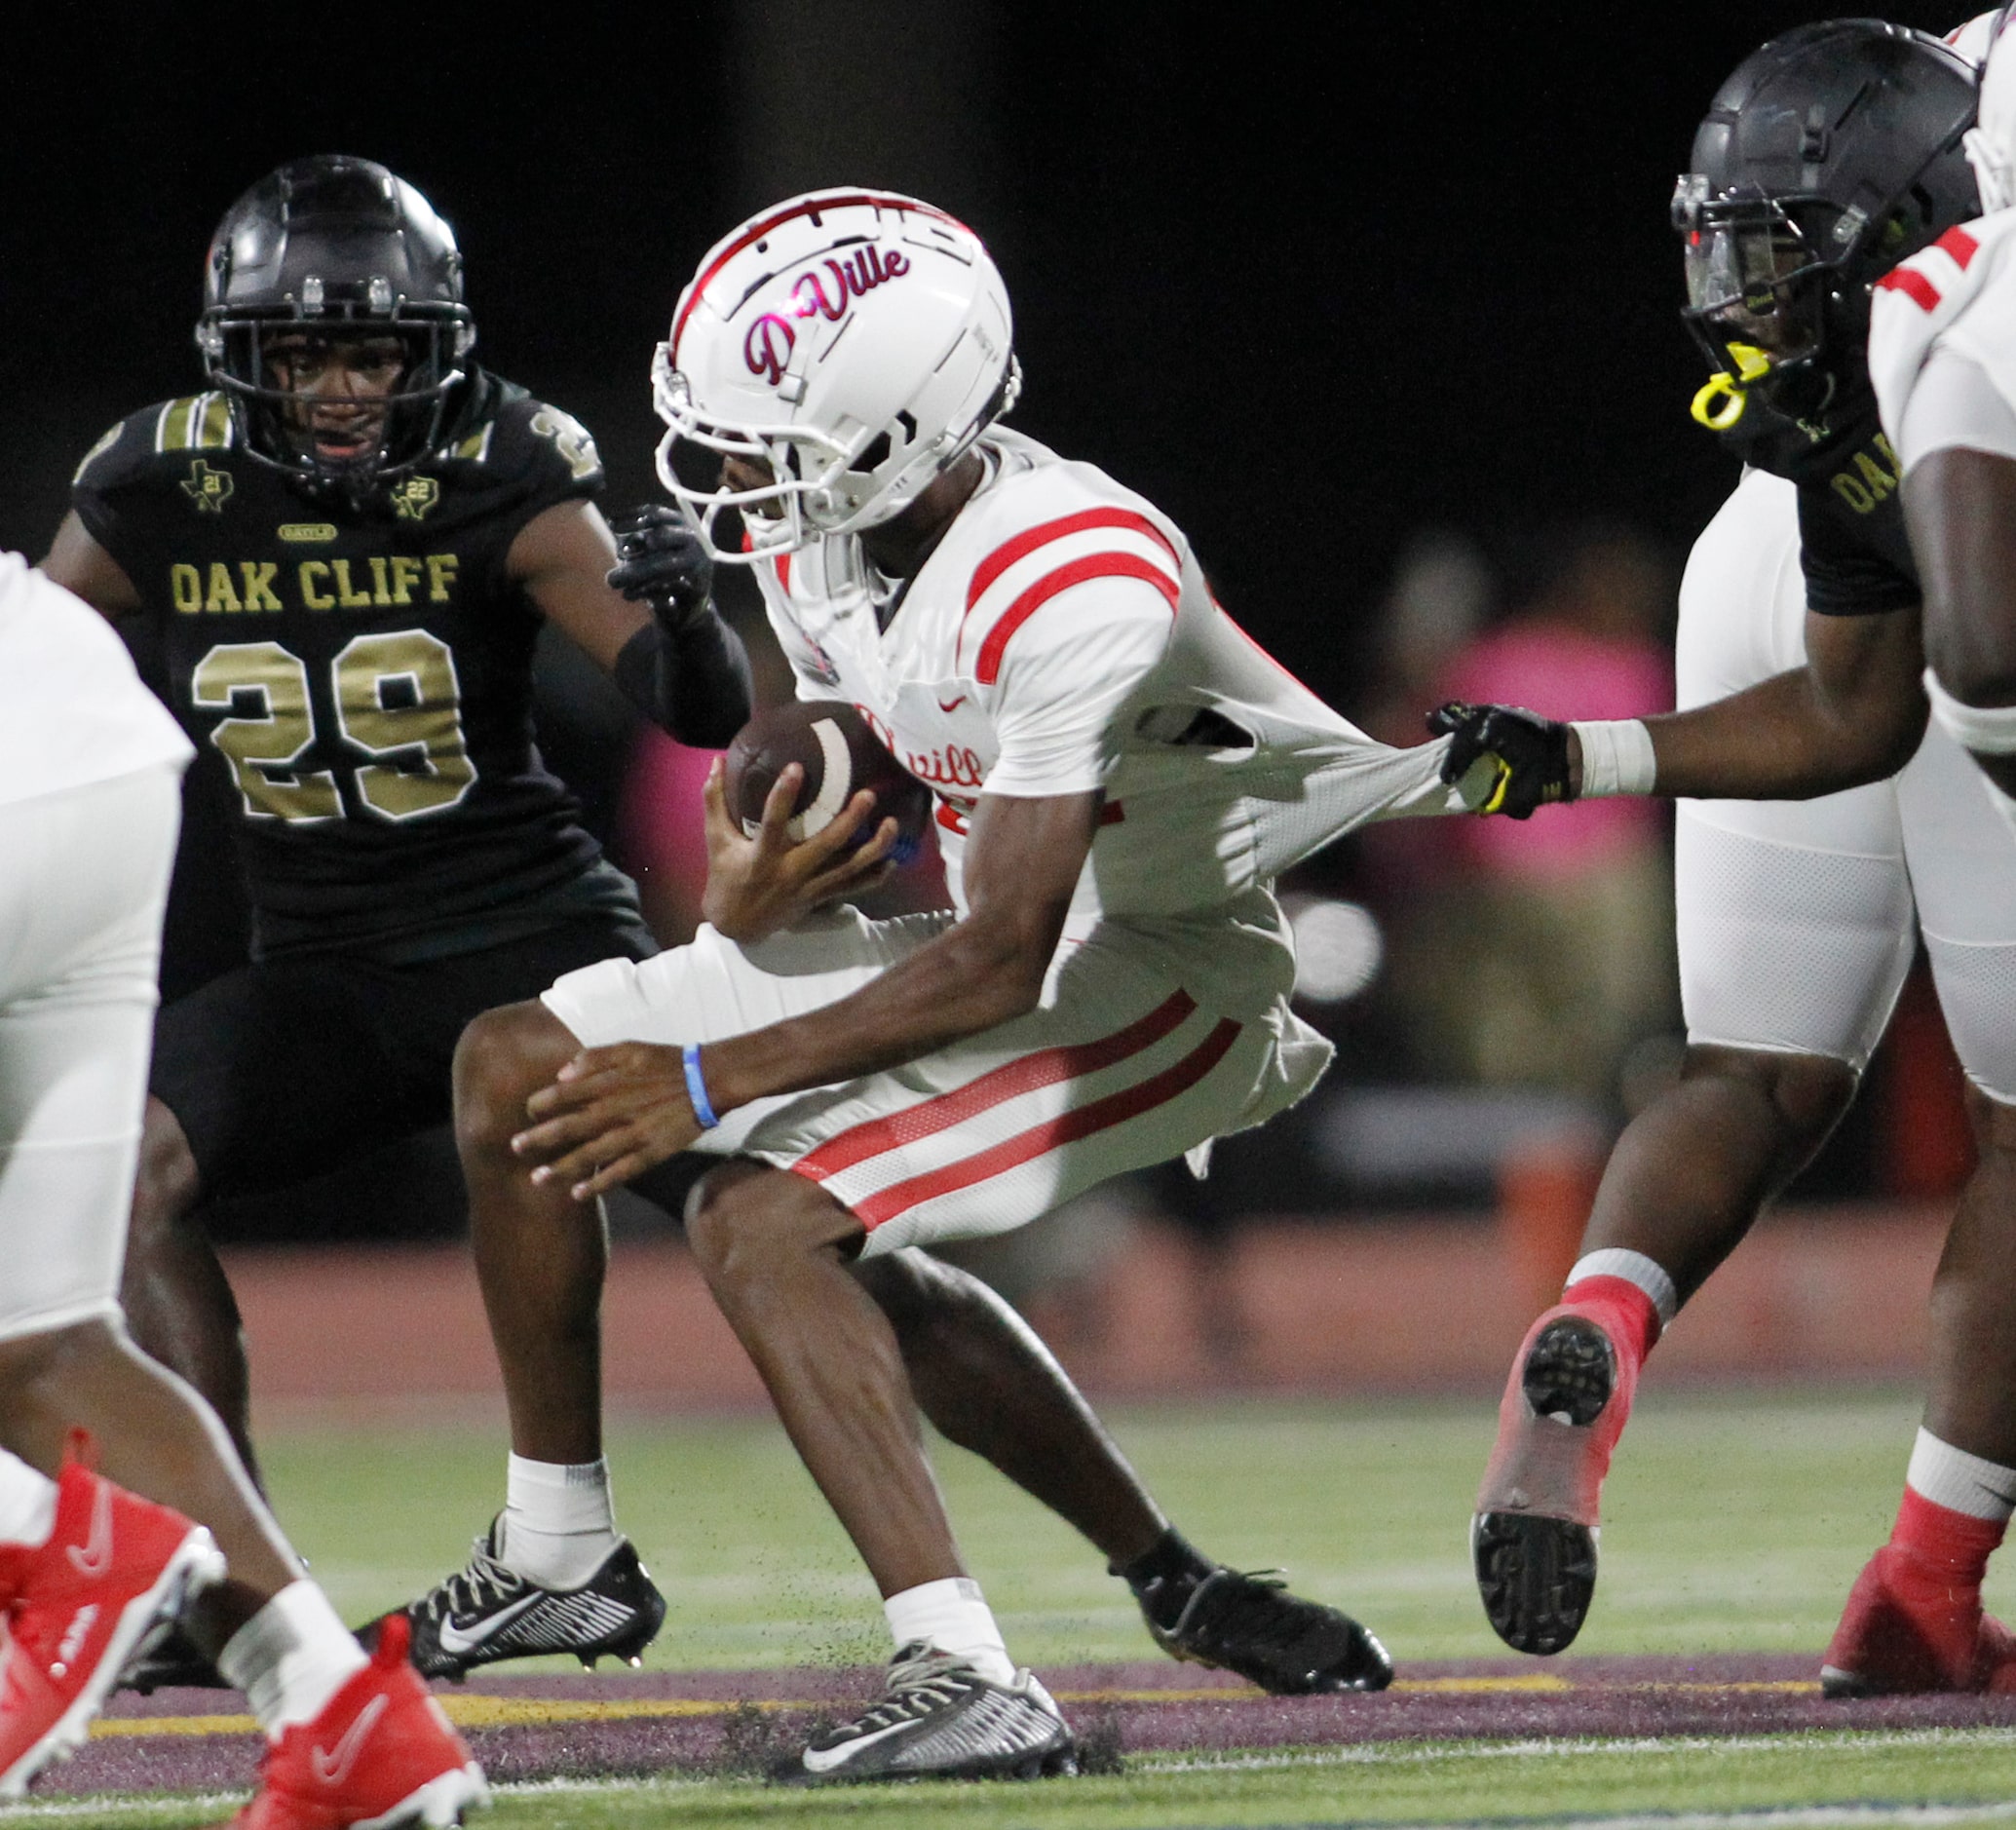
1950	1548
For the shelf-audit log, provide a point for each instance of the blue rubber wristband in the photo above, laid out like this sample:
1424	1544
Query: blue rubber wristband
697	1088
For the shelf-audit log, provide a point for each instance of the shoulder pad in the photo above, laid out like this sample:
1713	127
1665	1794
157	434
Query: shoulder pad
196	422
527	438
1916	301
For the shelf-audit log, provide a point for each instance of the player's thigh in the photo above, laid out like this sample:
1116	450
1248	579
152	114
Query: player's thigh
81	903
1795	922
1120	1068
1962	859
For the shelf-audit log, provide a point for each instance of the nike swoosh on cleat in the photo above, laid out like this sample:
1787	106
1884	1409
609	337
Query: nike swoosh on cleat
332	1766
817	1761
458	1639
94	1556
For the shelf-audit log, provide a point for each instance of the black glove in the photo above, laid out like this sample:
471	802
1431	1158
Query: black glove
665	567
1528	752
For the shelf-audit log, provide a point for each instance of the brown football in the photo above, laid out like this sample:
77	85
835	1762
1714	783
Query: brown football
830	741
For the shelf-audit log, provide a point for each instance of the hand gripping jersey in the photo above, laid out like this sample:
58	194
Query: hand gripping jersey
72	710
1063	638
363	675
1942	342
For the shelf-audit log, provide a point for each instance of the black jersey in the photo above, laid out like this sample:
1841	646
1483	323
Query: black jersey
362	673
1852	544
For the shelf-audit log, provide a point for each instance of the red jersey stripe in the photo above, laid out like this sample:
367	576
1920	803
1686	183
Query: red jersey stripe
1024	544
1111	813
782	561
1044	1068
1077	572
1961	246
1914	284
1067	1128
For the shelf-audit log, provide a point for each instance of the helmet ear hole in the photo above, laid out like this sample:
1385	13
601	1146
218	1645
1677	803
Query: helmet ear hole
873	455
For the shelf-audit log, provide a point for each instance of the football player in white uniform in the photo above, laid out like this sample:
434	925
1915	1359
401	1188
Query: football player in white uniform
90	768
1794	915
1119	774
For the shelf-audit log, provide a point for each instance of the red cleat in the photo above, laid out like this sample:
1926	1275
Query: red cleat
380	1755
81	1608
1910	1628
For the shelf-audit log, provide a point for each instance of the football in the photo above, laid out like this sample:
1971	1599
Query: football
830	741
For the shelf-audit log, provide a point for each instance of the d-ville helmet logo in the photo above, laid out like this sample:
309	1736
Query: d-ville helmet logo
830	295
209	489
413	498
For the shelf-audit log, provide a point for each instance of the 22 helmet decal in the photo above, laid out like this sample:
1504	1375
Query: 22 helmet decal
1828	154
851	345
334	246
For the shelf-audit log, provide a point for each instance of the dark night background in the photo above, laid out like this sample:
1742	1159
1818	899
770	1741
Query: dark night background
1310	281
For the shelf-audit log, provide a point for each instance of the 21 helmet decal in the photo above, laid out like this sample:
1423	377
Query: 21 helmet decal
849	346
1828	154
327	249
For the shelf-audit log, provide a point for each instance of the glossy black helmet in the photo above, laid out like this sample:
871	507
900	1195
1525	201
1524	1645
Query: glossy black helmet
325	250
1828	154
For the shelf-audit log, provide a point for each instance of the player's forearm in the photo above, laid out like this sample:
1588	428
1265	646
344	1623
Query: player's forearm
693	685
976	975
1784	739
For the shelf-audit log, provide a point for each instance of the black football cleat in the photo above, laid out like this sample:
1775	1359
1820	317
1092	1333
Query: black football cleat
1251	1625
941	1719
487	1611
172	1664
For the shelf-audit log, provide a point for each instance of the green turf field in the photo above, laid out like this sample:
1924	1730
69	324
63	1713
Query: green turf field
1731	1523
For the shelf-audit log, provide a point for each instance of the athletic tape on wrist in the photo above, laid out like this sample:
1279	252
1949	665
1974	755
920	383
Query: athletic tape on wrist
1616	757
1987	729
697	1088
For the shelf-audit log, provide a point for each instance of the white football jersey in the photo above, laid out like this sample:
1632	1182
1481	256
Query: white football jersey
1942	342
72	710
1063	638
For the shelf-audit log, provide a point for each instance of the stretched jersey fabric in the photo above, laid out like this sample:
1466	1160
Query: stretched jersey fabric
1063	638
1946	313
361	672
72	710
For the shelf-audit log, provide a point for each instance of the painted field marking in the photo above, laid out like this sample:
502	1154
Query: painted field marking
478	1710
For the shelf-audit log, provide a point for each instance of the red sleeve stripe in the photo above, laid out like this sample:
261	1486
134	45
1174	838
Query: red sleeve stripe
1914	284
1068	1127
1044	1068
1077	572
1959	245
1111	813
1024	544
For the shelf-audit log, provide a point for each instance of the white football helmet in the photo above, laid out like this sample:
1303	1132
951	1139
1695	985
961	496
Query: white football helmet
1990	144
854	344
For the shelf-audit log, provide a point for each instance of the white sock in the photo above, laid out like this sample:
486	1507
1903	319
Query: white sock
952	1615
1613	1261
1959	1481
27	1503
559	1521
290	1658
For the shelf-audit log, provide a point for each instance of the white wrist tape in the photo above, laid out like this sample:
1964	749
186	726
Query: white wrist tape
1616	757
1985	730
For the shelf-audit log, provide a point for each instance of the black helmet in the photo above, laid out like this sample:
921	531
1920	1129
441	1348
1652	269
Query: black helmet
1830	155
337	246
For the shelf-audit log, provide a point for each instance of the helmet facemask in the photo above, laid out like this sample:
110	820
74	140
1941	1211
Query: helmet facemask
820	484
239	353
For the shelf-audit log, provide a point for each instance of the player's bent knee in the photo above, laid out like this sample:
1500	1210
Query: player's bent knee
167	1181
744	1220
1804	1094
502	1059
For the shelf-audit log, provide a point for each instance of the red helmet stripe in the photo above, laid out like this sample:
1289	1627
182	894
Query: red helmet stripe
805	206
